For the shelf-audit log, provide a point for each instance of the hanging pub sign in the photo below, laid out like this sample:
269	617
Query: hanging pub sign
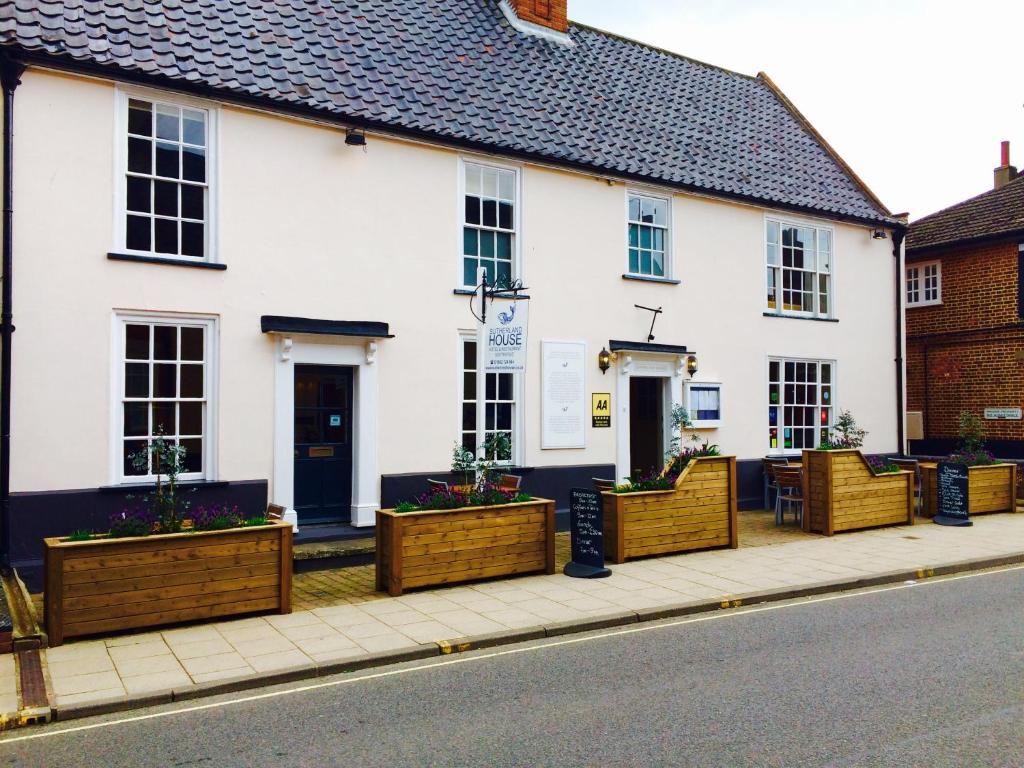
504	336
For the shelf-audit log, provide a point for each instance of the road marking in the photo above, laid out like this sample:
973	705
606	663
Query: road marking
463	659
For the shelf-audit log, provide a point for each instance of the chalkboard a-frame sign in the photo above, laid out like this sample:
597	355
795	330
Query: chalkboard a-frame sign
586	531
953	486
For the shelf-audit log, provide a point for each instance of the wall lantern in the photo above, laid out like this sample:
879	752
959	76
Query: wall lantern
355	138
691	365
878	234
604	360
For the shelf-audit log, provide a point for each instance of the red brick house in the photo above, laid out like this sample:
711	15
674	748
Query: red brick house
965	334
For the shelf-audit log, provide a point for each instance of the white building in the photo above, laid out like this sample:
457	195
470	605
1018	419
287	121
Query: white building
259	229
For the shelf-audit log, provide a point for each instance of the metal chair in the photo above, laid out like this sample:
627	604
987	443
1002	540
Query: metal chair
509	482
275	512
437	485
600	484
767	463
914	466
790	484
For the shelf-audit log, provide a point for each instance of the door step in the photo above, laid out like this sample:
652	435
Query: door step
339	553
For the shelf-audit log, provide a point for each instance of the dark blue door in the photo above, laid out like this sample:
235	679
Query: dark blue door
323	443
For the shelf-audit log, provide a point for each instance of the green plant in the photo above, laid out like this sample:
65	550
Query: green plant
250	522
845	434
405	506
463	463
497	448
80	535
971	431
131	522
881	465
164	458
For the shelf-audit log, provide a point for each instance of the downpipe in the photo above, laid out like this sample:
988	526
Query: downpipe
898	235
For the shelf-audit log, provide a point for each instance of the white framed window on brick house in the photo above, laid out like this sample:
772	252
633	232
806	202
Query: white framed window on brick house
163	384
489	402
165	185
799	270
924	283
801	398
490	222
648	225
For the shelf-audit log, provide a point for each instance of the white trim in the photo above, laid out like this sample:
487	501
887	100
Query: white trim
211	384
669	199
652	365
463	160
122	94
529	28
919	267
705	423
291	350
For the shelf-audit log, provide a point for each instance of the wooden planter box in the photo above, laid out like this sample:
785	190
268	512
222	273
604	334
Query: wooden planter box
699	513
105	585
841	493
416	549
990	489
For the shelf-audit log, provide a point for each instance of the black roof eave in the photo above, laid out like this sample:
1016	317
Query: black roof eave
367	329
68	64
615	345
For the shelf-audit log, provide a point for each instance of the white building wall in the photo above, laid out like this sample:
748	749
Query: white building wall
310	227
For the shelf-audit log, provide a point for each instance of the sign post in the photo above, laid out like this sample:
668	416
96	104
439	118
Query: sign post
953	495
586	530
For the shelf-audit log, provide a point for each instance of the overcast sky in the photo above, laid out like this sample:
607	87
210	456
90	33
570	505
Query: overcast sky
915	95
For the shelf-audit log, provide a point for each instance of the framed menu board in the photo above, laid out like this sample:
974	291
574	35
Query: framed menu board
563	394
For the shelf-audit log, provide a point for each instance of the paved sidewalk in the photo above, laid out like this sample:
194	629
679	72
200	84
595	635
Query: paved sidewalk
125	670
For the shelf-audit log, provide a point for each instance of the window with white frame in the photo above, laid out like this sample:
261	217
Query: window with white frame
924	284
489	223
488	403
799	269
648	224
164	389
166	179
800	403
704	404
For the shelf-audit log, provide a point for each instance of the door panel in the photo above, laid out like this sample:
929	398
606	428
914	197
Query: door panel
323	443
646	425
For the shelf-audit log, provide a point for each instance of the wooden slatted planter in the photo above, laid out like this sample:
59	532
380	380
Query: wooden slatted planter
841	493
106	585
991	488
699	513
417	549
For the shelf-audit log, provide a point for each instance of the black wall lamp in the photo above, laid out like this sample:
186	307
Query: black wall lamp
355	138
604	360
878	234
691	365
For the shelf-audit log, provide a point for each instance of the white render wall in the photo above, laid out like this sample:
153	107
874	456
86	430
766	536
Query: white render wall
311	227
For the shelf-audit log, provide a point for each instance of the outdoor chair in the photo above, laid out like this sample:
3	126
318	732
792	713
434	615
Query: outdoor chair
914	466
790	491
509	482
437	485
767	464
275	512
600	484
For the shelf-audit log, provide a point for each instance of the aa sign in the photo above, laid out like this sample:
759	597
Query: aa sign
504	336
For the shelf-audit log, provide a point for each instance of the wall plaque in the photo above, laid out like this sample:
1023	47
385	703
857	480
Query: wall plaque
563	394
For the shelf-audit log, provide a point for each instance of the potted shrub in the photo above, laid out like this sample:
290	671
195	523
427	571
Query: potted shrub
156	566
991	484
690	505
845	490
465	533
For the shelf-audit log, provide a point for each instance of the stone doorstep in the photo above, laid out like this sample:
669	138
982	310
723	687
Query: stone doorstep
506	637
323	550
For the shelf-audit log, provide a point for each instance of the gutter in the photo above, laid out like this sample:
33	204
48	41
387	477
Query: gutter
898	235
10	78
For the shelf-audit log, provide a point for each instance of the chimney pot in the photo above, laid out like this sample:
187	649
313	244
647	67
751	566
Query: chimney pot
1004	153
1005	173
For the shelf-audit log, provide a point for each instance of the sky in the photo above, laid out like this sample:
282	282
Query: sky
915	95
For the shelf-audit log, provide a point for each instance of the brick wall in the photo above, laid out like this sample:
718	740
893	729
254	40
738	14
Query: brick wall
548	13
952	369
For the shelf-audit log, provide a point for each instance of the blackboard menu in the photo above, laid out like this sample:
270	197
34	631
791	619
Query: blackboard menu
586	529
953	495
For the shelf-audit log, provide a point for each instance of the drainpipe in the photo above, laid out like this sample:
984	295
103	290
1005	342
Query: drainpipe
10	78
898	234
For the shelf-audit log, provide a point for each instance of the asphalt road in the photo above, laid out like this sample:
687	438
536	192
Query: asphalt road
928	675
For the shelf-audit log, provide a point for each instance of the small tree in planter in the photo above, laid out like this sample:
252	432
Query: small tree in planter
165	458
971	451
844	434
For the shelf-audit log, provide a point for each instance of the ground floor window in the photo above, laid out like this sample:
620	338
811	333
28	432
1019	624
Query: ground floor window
800	400
163	389
488	403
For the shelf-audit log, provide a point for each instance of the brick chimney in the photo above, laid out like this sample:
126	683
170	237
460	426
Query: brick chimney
1005	173
546	13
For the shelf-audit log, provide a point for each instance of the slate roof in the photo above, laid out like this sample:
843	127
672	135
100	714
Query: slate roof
993	214
457	71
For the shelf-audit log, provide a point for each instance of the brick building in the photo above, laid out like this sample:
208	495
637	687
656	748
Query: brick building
965	334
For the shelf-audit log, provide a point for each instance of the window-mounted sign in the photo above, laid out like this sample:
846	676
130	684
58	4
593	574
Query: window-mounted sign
1003	414
505	336
563	394
600	410
335	420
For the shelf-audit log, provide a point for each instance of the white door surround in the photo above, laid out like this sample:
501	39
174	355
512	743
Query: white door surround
669	367
307	349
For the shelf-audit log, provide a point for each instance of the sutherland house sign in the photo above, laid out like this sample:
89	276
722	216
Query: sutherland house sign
505	336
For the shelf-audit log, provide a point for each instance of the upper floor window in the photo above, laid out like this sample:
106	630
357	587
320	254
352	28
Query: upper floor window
648	223
799	269
924	284
165	179
489	223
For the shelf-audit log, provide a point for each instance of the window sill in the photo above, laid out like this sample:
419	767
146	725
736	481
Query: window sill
184	485
802	317
471	292
165	260
920	304
650	279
